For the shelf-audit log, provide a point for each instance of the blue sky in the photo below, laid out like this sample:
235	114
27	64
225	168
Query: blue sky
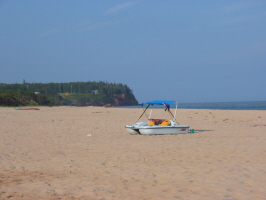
188	51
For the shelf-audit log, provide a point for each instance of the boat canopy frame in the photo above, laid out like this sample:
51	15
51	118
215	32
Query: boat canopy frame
159	102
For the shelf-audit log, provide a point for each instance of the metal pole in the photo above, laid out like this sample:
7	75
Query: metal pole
175	110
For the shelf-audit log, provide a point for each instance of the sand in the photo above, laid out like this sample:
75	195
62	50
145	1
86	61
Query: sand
86	153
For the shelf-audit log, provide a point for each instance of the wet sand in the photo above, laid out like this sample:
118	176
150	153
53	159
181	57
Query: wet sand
86	153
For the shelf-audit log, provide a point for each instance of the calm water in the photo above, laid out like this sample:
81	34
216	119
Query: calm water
249	105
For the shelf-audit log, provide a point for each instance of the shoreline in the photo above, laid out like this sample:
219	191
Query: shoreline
241	105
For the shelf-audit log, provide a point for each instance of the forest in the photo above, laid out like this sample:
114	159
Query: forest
72	93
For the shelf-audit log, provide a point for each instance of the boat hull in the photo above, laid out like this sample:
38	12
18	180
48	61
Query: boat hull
132	130
156	130
163	130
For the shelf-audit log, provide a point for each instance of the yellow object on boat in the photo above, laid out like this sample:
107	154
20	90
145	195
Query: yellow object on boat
164	123
151	123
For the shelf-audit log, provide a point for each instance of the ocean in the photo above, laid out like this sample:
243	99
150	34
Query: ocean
244	105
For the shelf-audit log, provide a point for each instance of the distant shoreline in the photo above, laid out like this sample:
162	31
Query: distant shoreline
247	105
243	105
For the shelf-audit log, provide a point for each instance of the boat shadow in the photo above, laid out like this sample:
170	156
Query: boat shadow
200	131
195	132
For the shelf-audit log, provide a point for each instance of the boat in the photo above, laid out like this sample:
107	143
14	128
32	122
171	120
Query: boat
27	109
157	126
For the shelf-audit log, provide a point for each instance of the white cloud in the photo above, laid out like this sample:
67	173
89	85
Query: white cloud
92	26
48	33
258	47
242	6
99	25
236	20
120	7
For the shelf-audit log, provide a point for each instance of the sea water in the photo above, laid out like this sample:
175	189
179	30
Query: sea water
249	105
245	105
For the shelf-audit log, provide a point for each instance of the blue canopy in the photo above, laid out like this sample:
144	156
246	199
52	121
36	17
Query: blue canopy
158	102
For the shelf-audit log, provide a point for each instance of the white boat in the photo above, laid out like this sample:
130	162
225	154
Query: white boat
158	126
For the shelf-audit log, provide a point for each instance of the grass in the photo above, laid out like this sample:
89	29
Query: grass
75	96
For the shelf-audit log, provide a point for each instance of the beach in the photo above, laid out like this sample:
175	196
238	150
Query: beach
86	153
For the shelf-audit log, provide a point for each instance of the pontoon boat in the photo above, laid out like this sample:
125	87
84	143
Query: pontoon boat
158	126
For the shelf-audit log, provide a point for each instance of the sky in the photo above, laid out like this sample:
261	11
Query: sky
187	51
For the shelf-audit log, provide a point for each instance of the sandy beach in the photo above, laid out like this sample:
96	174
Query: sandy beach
86	153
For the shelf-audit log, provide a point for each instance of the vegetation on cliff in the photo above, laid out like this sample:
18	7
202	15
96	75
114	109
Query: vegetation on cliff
73	93
20	98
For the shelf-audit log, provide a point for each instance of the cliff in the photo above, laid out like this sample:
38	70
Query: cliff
72	93
125	100
99	100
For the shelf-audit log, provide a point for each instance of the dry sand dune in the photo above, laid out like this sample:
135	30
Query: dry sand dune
86	153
